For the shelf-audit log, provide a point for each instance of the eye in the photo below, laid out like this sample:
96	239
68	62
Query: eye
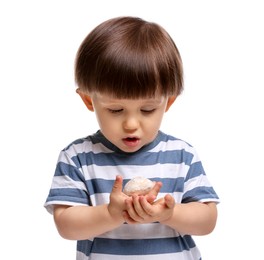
115	111
148	111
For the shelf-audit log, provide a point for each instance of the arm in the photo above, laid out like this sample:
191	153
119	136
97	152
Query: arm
82	222
192	218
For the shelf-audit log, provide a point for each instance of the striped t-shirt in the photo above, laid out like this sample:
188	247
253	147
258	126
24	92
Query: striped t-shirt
86	171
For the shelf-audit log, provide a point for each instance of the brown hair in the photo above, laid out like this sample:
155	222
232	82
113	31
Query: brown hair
128	57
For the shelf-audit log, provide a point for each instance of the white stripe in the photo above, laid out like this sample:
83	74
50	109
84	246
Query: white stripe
195	158
199	181
103	198
49	205
66	182
193	254
172	145
130	171
82	256
87	147
99	198
145	231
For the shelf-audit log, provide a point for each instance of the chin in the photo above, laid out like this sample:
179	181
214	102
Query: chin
130	149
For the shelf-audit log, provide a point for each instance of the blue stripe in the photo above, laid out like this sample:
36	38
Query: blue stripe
169	185
147	158
69	170
66	194
136	246
199	193
105	186
85	246
99	186
195	170
76	142
161	137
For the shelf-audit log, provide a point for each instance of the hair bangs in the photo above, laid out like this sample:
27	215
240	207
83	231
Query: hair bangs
127	74
129	58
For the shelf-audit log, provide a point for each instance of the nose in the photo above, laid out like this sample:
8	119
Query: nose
131	123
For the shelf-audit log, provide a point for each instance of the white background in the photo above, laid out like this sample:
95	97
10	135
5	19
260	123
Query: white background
220	112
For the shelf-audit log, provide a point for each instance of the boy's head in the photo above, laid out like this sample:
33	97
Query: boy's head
127	57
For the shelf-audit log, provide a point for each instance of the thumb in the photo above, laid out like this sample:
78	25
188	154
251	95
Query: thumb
152	195
117	187
169	201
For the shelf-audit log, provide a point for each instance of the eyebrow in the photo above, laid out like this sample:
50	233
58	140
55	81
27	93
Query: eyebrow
112	100
143	102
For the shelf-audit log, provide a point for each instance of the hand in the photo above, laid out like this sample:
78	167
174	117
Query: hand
117	204
139	210
153	193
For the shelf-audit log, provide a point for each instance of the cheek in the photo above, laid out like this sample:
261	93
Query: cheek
157	123
159	117
103	122
106	123
153	123
100	119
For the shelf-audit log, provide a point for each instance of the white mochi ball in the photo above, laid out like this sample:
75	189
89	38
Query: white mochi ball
138	186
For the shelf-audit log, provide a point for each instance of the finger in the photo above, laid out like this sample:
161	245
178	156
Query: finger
146	206
169	201
152	195
128	219
138	207
131	210
117	187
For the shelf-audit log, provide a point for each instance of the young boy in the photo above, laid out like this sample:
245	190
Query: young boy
129	72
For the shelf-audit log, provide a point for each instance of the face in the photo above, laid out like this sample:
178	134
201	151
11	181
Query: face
129	124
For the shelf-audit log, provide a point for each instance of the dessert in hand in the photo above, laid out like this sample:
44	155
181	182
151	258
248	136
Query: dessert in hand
138	186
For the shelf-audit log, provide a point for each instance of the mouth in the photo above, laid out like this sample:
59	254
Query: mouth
131	141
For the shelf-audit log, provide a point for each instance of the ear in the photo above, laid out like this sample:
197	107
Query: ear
86	99
170	101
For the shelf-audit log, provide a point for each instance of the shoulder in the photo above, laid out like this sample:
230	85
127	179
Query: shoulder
174	150
89	144
169	142
79	144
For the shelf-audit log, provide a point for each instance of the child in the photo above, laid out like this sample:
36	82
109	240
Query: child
129	72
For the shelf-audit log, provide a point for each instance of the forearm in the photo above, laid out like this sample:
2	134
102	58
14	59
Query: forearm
193	218
83	222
